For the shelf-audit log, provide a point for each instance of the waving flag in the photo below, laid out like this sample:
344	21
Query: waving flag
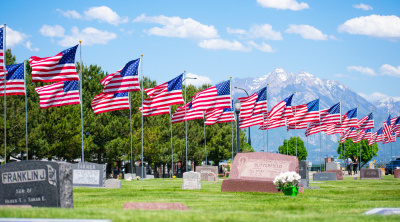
379	135
350	119
315	127
254	104
387	131
331	115
191	114
124	80
302	125
110	102
304	114
2	54
216	97
396	126
366	122
392	139
58	94
334	129
252	121
363	135
60	67
15	84
219	116
281	110
350	133
163	96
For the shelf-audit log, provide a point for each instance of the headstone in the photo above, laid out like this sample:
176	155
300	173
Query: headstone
36	183
396	173
191	181
255	172
212	177
113	183
324	176
205	170
89	174
138	170
339	174
304	174
131	176
370	174
332	166
371	165
155	206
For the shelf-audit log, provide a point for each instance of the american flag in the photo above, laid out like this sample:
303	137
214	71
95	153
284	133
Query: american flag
281	110
155	111
58	94
110	102
379	135
2	54
301	125
315	127
216	97
252	121
334	129
304	114
350	119
60	67
191	114
163	96
372	139
363	135
391	140
254	104
15	84
387	129
396	126
124	80
331	115
366	122
351	133
219	116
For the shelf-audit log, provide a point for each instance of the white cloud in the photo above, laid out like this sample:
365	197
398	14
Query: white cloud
28	45
105	14
308	32
264	31
14	38
263	47
390	70
380	26
69	14
178	27
52	31
363	7
373	97
223	44
89	36
199	81
283	4
363	70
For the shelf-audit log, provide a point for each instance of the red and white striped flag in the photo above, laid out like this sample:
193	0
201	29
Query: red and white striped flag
331	115
315	127
254	104
274	124
281	110
110	102
387	130
15	84
124	80
252	121
350	119
219	116
396	126
58	94
304	114
60	67
367	122
216	97
350	133
191	114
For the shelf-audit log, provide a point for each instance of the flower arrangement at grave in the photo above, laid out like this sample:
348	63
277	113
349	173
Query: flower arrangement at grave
288	182
138	178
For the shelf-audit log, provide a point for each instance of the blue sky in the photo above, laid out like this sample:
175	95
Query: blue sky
354	42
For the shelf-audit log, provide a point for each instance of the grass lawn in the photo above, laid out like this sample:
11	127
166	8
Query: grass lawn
335	201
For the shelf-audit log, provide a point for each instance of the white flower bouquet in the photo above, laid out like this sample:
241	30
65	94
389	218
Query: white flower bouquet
286	180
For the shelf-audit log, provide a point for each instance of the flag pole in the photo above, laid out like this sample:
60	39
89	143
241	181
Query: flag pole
232	110
320	132
267	118
5	96
130	120
80	85
359	143
186	142
141	71
26	112
295	120
287	139
205	138
172	146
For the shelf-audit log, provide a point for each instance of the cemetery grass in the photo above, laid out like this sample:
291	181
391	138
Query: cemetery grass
335	201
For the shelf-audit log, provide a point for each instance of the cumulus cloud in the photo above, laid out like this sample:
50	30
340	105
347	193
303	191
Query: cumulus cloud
69	14
105	14
361	69
389	70
223	44
52	31
89	36
263	47
263	31
283	4
373	97
363	7
380	26
14	38
308	32
199	81
28	45
178	27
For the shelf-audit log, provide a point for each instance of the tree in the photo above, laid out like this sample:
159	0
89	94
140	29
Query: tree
350	149
291	148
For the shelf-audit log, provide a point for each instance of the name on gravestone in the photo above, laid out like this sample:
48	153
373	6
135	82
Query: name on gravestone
370	174
36	183
89	174
206	170
191	181
324	176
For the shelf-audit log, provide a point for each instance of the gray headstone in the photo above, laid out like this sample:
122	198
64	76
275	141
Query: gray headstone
36	183
191	181
304	174
89	174
138	170
383	211
113	183
370	174
371	165
332	166
324	176
205	170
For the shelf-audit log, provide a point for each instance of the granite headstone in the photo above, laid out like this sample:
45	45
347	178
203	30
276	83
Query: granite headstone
396	173
138	170
370	174
191	181
205	170
339	174
332	166
255	172
112	183
36	183
324	176
304	174
89	174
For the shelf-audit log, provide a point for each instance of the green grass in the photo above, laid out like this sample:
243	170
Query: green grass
335	201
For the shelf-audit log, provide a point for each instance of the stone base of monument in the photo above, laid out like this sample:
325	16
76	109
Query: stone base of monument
234	185
155	206
113	183
396	173
339	174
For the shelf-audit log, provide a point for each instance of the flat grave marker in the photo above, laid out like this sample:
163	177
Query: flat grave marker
89	174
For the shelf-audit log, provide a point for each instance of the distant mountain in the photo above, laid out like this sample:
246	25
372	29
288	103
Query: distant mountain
308	87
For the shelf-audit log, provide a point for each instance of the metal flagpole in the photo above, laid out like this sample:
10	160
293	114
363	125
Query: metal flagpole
263	133
295	124
287	139
320	132
80	85
26	112
141	71
186	142
130	120
267	115
232	110
205	138
172	146
5	97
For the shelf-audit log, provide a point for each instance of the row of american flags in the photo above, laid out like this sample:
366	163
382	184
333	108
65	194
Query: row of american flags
213	104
